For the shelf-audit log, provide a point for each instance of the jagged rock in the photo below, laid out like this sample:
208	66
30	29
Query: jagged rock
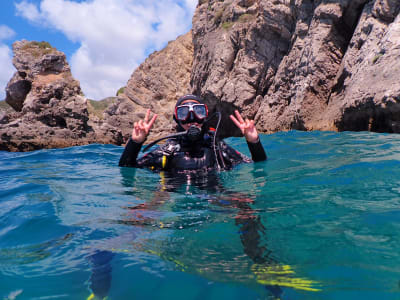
116	122
299	95
32	59
367	93
155	84
299	64
238	46
51	112
16	91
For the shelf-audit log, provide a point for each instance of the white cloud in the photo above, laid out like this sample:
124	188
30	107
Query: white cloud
191	4
114	36
7	69
28	11
6	32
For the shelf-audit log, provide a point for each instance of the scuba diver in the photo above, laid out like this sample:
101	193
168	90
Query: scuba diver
193	151
194	147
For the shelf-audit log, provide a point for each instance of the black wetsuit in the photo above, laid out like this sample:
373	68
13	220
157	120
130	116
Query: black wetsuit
182	155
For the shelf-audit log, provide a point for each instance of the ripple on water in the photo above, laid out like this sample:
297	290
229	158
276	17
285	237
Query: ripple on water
324	208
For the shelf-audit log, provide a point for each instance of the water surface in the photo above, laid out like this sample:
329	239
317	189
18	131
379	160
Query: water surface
319	220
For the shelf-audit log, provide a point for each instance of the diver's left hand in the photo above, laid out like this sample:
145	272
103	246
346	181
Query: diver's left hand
246	127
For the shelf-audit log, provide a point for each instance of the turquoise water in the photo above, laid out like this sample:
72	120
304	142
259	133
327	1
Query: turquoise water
320	219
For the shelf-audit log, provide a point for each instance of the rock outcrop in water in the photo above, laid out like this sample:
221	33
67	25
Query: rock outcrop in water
308	65
50	111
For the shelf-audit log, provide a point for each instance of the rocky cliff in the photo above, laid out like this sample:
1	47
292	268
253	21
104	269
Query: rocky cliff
308	65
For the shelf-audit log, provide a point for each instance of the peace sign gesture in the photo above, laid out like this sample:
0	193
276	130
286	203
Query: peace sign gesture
142	128
246	127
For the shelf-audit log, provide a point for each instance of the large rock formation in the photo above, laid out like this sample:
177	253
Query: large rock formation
366	91
50	110
329	65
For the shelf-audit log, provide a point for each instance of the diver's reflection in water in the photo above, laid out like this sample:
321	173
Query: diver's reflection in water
251	229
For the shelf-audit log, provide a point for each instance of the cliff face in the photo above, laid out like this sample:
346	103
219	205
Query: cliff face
308	65
366	91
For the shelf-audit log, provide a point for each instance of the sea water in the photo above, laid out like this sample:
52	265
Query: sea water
319	220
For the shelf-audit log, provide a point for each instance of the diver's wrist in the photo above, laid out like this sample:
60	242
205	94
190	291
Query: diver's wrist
137	141
253	141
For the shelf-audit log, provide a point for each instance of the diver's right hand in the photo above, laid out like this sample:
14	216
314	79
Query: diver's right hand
142	128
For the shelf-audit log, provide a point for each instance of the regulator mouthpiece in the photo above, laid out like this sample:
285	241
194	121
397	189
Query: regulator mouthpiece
193	133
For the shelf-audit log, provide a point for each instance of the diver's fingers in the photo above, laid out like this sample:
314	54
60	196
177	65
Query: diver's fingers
136	129
238	116
137	126
146	118
234	120
249	124
142	125
153	119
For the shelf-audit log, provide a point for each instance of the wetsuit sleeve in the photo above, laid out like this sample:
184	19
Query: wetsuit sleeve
257	151
231	156
130	154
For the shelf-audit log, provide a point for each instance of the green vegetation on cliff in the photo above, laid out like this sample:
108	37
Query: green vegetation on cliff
120	91
97	108
4	106
38	48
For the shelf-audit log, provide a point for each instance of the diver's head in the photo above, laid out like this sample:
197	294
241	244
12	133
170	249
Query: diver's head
190	110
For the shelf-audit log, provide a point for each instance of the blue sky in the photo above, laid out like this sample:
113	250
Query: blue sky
104	40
